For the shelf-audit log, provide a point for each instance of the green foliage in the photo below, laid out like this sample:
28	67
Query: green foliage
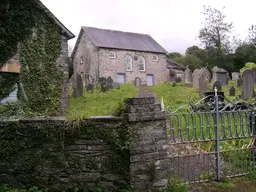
98	103
6	188
176	185
249	65
192	61
7	83
40	75
17	20
173	55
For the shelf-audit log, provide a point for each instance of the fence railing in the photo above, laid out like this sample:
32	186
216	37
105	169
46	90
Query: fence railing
218	139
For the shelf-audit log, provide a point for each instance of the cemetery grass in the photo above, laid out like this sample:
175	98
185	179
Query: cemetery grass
98	103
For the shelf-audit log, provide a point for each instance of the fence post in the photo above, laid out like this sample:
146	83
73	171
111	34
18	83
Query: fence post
217	136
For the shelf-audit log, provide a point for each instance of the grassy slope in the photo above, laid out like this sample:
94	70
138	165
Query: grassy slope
99	103
181	94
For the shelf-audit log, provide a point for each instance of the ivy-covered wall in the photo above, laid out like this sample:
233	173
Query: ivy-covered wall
43	55
56	154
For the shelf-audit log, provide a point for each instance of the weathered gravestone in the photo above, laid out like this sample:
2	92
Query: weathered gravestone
204	81
235	76
79	91
90	87
137	81
216	84
195	77
239	82
115	85
254	74
188	76
177	79
232	91
247	84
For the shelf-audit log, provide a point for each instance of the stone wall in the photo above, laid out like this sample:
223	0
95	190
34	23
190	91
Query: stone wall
89	53
110	67
38	153
57	154
148	160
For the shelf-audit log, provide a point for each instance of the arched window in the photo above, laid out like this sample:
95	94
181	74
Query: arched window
142	63
128	63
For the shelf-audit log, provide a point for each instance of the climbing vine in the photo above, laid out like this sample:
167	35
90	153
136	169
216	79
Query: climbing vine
40	77
17	20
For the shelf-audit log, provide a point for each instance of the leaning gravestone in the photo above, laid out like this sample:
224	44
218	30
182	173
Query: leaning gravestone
177	79
195	77
232	91
78	86
239	82
204	81
247	84
216	84
188	76
115	85
235	76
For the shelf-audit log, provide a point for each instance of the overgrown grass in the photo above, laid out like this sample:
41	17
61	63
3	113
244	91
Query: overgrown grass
97	103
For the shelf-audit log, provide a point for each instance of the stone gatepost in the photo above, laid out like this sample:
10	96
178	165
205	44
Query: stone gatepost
148	160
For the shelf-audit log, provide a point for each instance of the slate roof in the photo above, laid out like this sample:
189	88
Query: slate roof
65	30
174	65
123	40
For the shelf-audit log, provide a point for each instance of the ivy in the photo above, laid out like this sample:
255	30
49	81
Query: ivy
40	76
7	83
17	20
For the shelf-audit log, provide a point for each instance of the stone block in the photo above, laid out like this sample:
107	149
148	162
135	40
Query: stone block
140	101
161	183
143	108
148	157
148	116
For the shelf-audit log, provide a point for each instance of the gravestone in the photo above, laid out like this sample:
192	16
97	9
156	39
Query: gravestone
188	76
79	91
235	76
214	70
115	85
204	81
137	81
195	77
232	91
216	84
247	84
222	77
254	74
177	79
239	82
90	87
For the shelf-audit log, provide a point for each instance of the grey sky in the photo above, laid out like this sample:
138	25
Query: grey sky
174	24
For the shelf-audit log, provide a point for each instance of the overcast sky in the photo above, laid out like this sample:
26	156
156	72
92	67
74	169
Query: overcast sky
172	23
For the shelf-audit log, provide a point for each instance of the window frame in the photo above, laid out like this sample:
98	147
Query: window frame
155	60
144	63
81	60
130	58
112	52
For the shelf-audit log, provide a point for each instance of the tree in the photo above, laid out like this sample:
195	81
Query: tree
252	35
215	36
198	52
191	61
243	54
173	55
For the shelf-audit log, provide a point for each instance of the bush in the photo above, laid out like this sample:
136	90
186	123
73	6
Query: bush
248	65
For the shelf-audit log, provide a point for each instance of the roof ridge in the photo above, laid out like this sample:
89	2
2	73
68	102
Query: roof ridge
114	30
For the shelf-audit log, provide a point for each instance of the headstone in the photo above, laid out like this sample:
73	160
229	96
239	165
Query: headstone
188	76
222	77
90	87
235	76
214	70
204	81
137	81
232	91
78	86
239	82
115	85
177	79
254	74
195	77
216	84
247	84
